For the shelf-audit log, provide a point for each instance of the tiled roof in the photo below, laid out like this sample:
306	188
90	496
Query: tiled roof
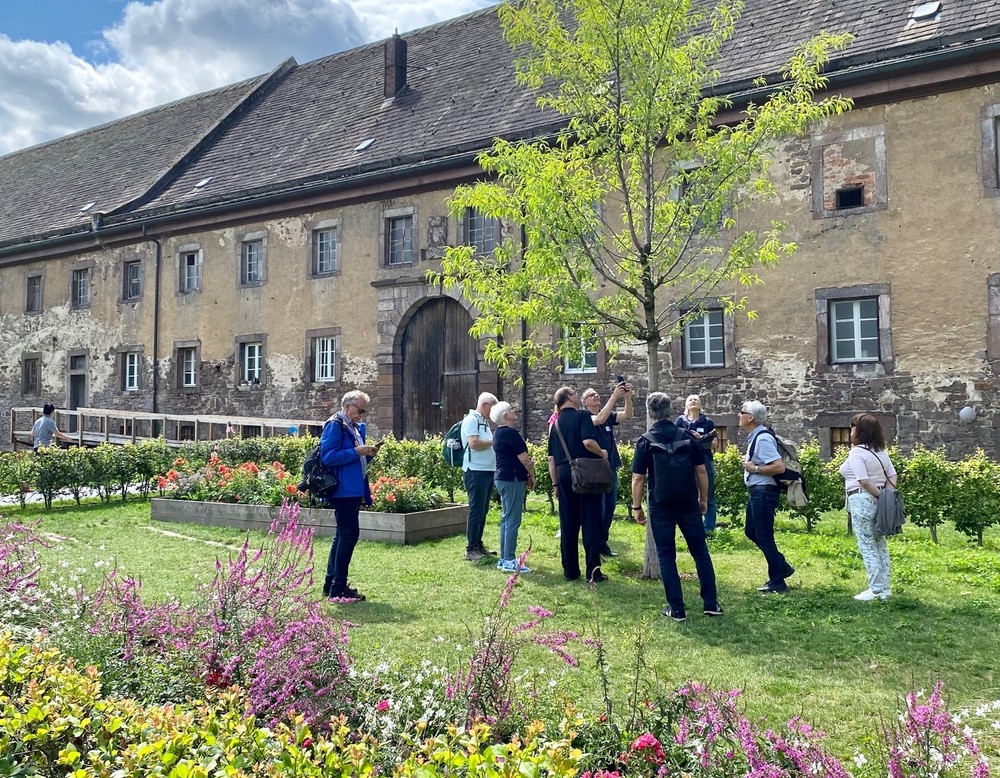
43	188
460	93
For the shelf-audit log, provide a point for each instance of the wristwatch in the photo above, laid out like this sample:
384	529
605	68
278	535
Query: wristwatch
636	507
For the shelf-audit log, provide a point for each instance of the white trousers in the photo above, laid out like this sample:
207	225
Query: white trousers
873	547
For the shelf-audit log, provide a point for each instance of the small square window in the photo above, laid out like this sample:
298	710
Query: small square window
840	437
252	262
80	288
721	440
31	375
325	252
704	341
131	362
252	362
325	359
850	197
190	271
579	349
132	280
187	367
854	330
33	297
399	240
481	232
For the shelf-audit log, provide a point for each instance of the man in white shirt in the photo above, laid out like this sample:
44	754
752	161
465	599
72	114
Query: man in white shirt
478	467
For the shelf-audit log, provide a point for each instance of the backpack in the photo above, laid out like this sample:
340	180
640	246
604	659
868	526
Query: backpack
673	467
319	480
453	450
792	482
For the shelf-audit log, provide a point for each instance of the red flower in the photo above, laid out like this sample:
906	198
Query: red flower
383	706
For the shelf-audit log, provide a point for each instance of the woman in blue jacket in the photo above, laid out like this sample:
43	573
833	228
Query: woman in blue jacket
344	450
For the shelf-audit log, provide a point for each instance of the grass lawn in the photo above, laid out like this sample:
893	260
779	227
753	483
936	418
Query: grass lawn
814	652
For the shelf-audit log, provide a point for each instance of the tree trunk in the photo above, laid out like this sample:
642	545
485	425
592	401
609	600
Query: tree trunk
650	562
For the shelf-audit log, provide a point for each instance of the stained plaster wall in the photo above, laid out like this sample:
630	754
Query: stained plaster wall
934	243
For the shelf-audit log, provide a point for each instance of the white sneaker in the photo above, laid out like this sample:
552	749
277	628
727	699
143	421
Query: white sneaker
866	596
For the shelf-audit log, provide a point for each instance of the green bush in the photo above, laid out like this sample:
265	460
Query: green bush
730	491
928	482
976	503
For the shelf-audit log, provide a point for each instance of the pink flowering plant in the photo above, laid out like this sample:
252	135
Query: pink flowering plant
931	741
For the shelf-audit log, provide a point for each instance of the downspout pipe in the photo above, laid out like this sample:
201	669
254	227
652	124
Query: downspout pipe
157	261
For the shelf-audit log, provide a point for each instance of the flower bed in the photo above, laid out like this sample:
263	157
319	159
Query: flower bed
402	528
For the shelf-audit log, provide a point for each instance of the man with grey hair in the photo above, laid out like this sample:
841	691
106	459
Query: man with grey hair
763	462
478	467
674	465
344	449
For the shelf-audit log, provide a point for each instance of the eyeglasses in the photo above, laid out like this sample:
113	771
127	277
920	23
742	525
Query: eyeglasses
743	413
360	410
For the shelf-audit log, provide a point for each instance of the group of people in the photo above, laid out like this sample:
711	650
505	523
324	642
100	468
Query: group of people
677	452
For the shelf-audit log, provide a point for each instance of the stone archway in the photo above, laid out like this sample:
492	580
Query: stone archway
435	361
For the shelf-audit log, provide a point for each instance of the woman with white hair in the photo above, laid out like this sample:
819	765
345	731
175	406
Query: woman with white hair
762	463
702	429
514	474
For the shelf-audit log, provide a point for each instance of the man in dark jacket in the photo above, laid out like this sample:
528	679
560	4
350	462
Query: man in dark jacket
674	464
576	511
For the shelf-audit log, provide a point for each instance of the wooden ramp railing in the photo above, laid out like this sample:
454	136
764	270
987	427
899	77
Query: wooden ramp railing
93	426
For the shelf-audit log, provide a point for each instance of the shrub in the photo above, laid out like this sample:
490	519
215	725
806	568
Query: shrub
247	483
403	495
976	502
928	482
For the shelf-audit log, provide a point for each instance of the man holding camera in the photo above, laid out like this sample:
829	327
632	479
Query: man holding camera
605	420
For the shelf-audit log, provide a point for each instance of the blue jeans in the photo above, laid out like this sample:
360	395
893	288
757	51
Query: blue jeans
759	529
478	485
712	513
664	525
511	508
346	509
610	500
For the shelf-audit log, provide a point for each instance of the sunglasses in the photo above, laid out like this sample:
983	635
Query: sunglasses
362	411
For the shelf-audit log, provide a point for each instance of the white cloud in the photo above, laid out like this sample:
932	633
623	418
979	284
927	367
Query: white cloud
166	49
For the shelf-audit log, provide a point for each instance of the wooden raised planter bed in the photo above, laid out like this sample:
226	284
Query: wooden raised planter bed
402	528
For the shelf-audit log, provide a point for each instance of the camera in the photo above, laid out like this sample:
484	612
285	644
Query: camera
620	379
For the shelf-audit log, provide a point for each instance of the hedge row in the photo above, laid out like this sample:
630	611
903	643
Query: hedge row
936	490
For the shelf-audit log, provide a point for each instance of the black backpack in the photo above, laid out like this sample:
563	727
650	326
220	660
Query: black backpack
319	480
673	468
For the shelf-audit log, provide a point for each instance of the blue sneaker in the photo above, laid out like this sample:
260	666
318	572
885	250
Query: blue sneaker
512	566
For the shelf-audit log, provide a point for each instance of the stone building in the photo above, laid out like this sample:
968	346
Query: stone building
260	249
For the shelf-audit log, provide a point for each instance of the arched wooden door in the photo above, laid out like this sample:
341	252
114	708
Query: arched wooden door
440	368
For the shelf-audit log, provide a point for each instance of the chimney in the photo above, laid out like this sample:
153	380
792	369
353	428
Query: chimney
395	65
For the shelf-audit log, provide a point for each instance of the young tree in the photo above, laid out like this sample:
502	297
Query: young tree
631	216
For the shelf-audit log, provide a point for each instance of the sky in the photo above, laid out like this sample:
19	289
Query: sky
70	64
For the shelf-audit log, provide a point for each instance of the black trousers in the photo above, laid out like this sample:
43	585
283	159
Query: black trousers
578	512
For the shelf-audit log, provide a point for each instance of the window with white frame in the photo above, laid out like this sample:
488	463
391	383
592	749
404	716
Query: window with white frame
252	261
187	367
481	232
252	362
132	280
33	296
131	363
80	288
854	330
579	349
399	240
704	341
190	271
325	359
325	252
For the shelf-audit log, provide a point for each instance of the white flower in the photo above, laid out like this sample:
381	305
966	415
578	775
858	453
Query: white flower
860	759
553	683
816	768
